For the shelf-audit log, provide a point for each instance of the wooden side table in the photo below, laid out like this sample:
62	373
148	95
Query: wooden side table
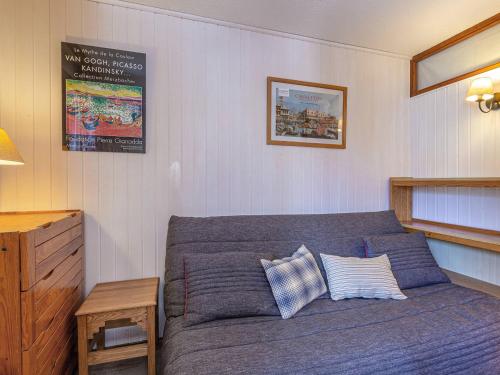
112	305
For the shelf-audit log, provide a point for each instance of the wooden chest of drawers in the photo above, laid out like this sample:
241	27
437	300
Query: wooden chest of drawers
41	287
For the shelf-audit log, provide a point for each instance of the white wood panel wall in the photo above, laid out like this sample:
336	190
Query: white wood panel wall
452	138
206	121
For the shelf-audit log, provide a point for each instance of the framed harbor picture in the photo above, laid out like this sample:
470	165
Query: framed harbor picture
306	114
103	99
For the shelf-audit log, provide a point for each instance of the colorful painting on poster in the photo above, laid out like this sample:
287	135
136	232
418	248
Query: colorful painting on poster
104	99
306	114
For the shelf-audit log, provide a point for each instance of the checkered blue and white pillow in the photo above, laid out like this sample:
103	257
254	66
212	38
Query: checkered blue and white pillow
295	281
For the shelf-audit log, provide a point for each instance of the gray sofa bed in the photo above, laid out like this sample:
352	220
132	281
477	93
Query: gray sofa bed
439	329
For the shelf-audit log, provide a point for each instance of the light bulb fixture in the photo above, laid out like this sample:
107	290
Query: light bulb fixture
481	91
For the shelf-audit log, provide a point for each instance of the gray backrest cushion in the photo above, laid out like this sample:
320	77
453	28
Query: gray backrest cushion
226	285
281	235
411	259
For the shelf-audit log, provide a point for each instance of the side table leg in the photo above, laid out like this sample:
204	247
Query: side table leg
101	339
151	340
83	368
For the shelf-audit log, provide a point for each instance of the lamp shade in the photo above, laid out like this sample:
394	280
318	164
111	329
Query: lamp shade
8	151
480	89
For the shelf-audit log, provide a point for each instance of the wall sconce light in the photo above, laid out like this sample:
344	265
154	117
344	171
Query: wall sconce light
8	151
481	90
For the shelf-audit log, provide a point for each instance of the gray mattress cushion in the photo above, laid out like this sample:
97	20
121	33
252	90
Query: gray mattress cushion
440	329
337	234
411	259
226	285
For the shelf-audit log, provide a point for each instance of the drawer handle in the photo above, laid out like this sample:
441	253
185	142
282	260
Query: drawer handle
73	214
48	275
46	225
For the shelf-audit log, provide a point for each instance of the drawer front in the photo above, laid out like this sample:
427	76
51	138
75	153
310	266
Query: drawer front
52	246
53	350
44	268
52	229
42	303
65	363
45	247
52	284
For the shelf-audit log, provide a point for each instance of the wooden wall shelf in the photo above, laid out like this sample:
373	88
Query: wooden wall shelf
486	182
468	236
401	200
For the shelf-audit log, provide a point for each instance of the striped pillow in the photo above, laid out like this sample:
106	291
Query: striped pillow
360	277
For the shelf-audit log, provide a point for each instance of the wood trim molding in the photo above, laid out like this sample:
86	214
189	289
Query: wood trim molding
413	85
454	40
460	37
413	78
